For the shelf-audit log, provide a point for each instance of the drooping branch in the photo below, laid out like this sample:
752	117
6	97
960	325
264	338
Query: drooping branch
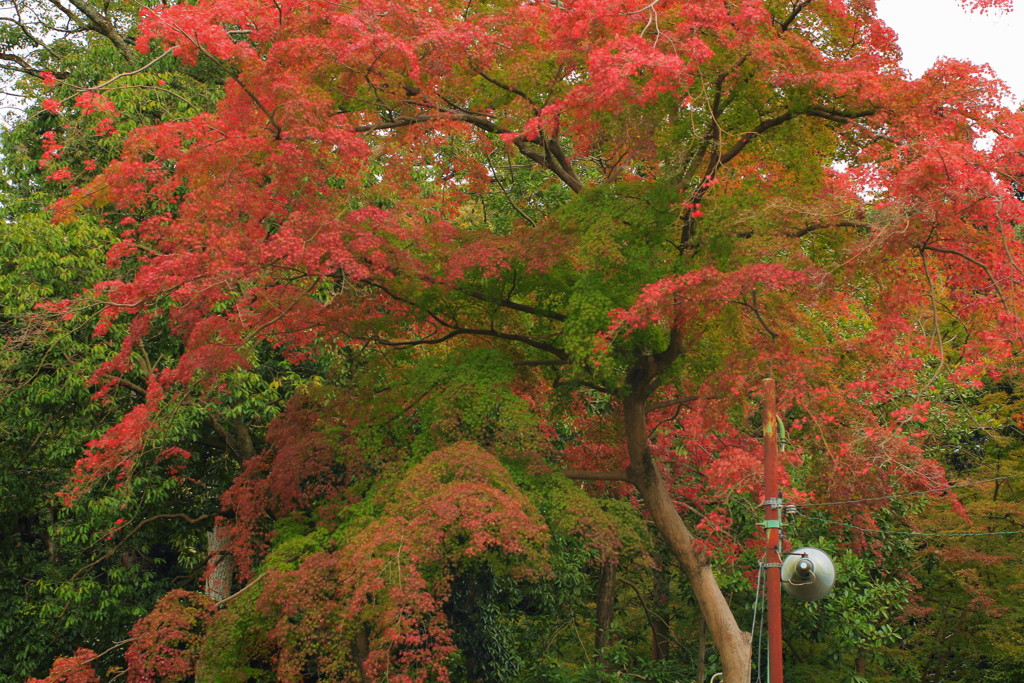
399	122
719	158
23	65
142	68
124	539
455	329
507	88
476	332
516	306
538	363
935	317
661	405
550	156
954	252
240	591
756	310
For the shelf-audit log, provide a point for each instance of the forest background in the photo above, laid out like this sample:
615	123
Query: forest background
424	341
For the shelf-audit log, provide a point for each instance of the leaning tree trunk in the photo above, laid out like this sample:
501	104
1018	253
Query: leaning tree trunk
732	642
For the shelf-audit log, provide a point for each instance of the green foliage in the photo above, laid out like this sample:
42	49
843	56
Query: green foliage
45	417
329	310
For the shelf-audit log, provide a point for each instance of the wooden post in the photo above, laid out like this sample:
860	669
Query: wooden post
772	522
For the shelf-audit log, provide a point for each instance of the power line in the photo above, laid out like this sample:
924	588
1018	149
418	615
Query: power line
910	493
758	599
916	533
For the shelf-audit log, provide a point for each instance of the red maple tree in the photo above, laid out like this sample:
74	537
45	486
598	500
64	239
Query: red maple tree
648	204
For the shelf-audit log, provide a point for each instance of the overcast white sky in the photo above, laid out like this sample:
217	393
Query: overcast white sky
929	29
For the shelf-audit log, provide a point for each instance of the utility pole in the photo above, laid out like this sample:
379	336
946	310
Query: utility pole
772	524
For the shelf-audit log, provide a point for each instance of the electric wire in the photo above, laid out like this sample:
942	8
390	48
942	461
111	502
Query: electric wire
759	594
883	532
910	493
763	670
753	622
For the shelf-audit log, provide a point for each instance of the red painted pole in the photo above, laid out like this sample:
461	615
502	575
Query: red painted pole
772	522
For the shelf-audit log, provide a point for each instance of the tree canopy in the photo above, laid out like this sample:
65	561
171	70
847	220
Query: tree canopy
382	279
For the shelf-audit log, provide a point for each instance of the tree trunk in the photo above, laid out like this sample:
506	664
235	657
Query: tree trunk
660	625
361	652
702	647
220	564
732	642
51	544
605	603
995	490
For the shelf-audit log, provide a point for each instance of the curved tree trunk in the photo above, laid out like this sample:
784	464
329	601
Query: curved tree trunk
732	642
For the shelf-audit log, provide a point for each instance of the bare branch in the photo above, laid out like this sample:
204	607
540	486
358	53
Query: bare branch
107	82
241	590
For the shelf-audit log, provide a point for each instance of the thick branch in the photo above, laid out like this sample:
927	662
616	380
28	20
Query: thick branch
589	475
237	440
671	403
479	332
555	159
839	116
98	23
25	67
525	308
128	384
813	227
788	21
567	176
750	135
396	123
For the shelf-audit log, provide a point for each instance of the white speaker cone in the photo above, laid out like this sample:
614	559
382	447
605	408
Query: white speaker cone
808	574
